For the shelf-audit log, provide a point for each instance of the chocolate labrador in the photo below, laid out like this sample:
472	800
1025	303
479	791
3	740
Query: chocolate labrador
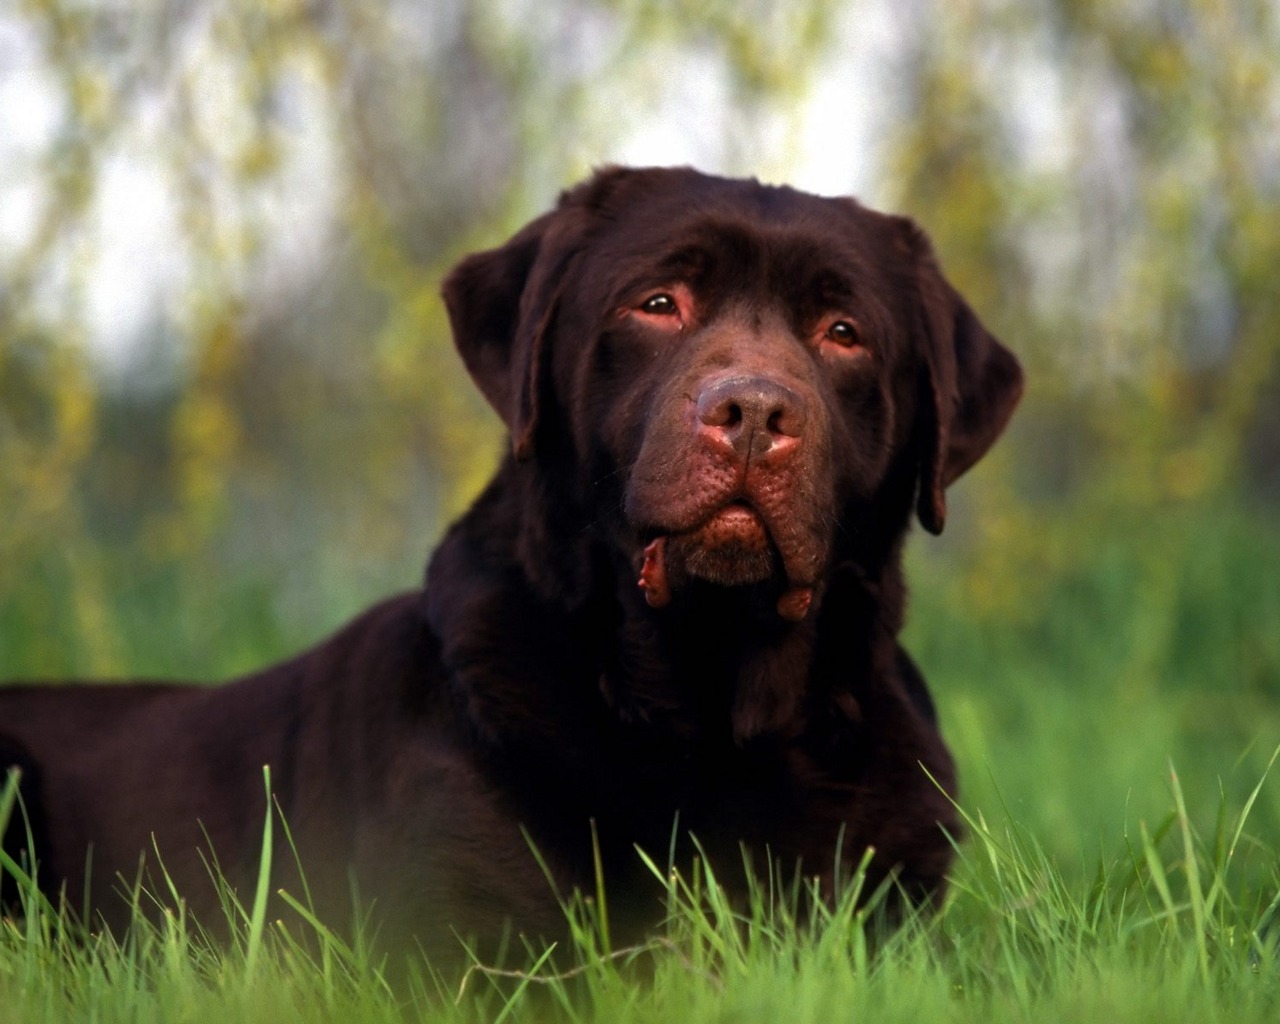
673	612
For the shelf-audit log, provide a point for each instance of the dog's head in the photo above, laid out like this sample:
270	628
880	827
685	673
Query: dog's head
729	382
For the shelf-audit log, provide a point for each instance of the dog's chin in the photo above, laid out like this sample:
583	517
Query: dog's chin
726	565
731	549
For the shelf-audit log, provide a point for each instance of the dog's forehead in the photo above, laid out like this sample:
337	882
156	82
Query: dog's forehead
689	224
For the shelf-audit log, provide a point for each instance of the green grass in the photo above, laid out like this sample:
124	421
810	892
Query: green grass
1139	645
1111	690
1169	929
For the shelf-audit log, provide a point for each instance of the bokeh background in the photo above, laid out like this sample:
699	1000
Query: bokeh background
231	416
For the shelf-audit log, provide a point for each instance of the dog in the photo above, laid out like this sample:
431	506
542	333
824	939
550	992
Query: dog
669	622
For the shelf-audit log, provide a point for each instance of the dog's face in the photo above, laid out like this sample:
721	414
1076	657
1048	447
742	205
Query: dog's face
734	382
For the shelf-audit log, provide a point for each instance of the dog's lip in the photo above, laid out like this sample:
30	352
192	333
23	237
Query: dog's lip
734	522
737	515
733	506
739	519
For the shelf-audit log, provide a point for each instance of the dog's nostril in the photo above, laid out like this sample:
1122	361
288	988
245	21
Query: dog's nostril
787	420
752	404
716	408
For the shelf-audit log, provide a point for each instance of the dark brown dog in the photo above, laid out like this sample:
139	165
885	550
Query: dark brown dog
732	395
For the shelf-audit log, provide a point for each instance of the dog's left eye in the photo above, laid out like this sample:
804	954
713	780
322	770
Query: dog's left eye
661	304
843	332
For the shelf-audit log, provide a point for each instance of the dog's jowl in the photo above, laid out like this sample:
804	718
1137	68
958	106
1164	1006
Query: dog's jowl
673	612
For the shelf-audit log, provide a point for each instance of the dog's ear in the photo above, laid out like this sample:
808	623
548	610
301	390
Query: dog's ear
502	304
971	384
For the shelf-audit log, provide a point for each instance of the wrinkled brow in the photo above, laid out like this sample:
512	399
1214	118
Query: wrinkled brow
690	263
798	269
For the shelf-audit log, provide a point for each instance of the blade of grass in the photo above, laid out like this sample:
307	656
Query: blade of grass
602	903
1191	866
258	915
1248	805
34	902
1155	868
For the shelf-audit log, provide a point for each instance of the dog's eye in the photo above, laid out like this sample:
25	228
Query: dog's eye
661	304
843	332
669	310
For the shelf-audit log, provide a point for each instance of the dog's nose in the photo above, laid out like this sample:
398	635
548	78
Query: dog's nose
744	409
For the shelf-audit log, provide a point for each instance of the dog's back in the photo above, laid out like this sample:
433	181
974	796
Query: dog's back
102	768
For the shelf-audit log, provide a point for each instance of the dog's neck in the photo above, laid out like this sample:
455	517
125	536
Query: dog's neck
717	666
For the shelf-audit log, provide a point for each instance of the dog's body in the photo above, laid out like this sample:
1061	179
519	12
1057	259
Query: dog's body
730	394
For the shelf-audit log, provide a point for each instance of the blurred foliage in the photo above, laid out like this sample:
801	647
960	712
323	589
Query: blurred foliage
1104	181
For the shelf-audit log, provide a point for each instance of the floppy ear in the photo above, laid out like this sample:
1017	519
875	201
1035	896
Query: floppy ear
971	385
501	306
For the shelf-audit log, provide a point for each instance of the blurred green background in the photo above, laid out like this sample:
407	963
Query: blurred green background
231	416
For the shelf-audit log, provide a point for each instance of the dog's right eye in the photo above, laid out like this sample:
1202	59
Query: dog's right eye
670	310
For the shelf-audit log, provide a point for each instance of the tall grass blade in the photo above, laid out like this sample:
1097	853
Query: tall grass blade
1191	865
1248	805
1155	870
602	902
9	796
258	915
34	902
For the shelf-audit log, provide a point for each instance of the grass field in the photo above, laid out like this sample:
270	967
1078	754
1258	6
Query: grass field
1116	717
